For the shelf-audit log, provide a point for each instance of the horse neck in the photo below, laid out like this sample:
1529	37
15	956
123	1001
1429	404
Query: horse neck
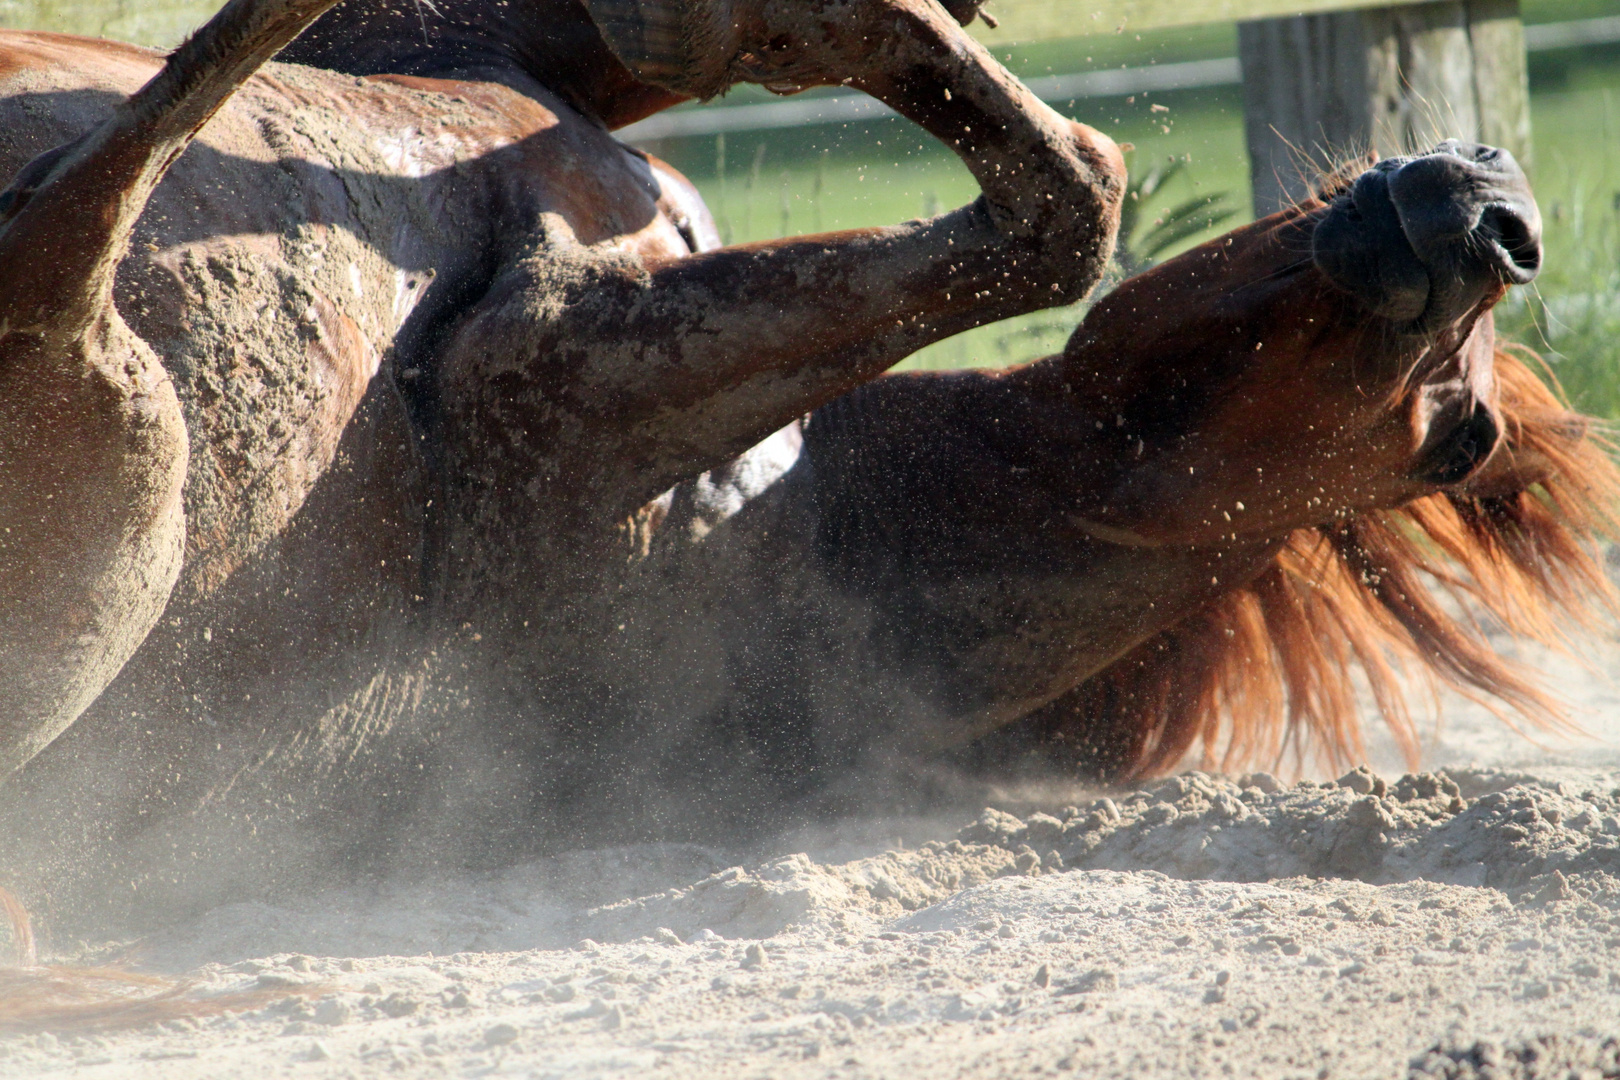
949	467
948	501
525	45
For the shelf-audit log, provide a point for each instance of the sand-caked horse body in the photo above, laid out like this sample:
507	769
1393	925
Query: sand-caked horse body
472	554
418	336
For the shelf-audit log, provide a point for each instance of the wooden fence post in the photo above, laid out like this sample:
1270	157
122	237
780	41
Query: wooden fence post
1395	79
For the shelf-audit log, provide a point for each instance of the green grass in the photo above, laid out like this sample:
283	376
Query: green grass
1571	315
159	23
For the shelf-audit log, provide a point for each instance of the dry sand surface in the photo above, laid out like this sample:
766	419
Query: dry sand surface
1463	922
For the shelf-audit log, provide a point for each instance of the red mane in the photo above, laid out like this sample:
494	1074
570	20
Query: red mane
1270	671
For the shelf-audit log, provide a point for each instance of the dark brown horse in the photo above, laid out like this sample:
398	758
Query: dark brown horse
477	556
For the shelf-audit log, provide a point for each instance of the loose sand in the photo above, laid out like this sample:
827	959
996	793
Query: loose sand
1463	922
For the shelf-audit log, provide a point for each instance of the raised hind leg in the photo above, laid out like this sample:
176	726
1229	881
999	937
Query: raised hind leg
92	444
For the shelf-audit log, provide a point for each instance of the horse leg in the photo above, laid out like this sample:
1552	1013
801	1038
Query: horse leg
92	443
1041	174
665	369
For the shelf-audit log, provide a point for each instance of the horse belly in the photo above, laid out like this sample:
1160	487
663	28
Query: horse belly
273	299
268	288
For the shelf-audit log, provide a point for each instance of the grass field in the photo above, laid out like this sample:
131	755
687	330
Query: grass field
1572	313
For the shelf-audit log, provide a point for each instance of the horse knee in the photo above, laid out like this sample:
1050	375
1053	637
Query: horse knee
1107	164
1084	242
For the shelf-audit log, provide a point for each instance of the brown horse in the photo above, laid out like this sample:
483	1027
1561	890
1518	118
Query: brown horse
408	349
439	344
1249	473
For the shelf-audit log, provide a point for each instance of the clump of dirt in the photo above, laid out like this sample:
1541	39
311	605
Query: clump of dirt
1573	1056
1531	838
797	892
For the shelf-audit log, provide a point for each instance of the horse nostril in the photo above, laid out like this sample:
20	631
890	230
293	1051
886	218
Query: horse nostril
1471	220
1508	231
1462	451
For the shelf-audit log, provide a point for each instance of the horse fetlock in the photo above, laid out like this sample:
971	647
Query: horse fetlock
1064	211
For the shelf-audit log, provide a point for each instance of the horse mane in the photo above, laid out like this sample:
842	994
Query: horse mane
1271	671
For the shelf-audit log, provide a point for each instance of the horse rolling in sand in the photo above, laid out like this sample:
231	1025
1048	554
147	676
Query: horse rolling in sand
1291	453
468	498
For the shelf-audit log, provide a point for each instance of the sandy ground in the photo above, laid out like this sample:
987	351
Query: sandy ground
1460	923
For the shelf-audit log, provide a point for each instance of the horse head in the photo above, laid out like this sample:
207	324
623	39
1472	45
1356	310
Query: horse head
1336	357
1320	398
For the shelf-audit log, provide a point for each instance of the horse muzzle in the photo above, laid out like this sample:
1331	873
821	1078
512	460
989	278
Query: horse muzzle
1424	240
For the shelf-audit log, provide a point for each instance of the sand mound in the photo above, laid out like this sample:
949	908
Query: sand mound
1509	831
1458	923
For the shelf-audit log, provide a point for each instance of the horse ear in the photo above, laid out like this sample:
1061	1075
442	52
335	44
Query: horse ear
1510	470
681	45
1541	438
